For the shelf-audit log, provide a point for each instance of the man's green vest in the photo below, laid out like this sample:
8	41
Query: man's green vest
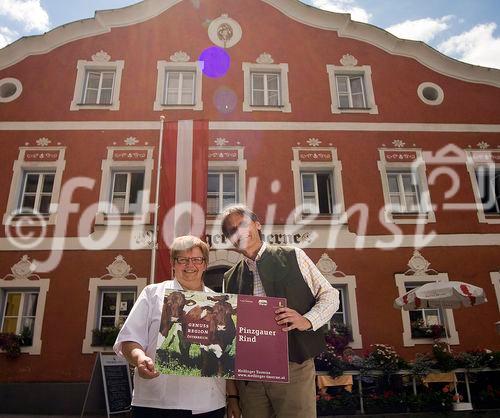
281	277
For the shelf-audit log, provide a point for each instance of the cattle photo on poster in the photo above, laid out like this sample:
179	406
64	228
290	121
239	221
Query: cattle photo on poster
197	334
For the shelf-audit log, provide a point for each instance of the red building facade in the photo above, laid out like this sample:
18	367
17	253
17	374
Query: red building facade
357	146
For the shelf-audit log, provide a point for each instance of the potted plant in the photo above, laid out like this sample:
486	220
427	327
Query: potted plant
104	337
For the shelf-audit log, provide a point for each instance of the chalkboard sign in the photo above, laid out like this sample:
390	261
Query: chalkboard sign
117	385
111	378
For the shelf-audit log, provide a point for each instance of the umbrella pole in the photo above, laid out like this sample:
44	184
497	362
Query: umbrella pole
455	383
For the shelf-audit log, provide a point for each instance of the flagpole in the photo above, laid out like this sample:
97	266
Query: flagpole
157	196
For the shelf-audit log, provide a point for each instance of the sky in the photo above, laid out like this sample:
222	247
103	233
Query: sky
467	30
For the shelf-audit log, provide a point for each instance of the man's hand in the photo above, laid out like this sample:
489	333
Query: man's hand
294	320
146	368
233	408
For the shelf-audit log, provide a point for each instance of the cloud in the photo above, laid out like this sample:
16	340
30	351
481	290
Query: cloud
478	46
6	36
28	12
421	29
343	6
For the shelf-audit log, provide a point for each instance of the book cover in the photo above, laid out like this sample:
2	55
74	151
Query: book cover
222	335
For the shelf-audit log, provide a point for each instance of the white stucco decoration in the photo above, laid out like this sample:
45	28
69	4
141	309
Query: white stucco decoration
23	270
119	269
180	56
101	56
224	31
265	58
419	265
348	60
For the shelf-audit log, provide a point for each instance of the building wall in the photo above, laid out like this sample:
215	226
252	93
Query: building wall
464	248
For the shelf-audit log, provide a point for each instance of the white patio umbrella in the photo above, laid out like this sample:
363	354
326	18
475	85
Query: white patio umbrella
443	295
447	295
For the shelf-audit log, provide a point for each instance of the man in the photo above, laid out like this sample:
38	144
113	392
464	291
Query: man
280	271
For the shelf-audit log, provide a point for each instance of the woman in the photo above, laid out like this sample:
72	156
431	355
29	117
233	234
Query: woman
158	395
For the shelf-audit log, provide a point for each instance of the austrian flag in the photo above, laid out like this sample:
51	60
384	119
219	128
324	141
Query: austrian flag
183	186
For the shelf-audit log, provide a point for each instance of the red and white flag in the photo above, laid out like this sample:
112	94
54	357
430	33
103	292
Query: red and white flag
183	187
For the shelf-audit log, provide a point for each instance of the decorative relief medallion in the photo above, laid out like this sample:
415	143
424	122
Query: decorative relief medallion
101	56
483	145
220	142
398	143
23	270
119	269
264	58
224	31
131	140
326	265
43	142
348	60
180	56
314	142
418	264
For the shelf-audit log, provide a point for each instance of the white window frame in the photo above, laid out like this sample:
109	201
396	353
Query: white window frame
350	306
119	292
20	167
495	281
101	74
281	69
83	67
335	168
266	90
364	71
42	286
220	196
239	166
163	66
127	191
108	168
418	169
402	280
38	193
471	168
96	286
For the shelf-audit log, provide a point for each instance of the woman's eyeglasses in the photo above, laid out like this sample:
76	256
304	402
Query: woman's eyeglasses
185	260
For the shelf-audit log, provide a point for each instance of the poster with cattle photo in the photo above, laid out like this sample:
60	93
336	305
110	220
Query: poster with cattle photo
222	335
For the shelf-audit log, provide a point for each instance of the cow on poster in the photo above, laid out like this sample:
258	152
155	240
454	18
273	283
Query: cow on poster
222	335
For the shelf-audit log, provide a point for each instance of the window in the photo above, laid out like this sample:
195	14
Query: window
97	84
351	89
125	185
265	86
422	321
222	191
111	298
483	166
404	194
341	316
347	314
35	186
266	89
37	193
10	89
430	93
419	325
98	87
20	313
179	84
115	307
317	193
180	88
488	181
318	186
126	192
22	304
226	179
404	185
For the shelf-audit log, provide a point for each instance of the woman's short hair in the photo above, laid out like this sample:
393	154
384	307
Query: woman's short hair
186	243
239	210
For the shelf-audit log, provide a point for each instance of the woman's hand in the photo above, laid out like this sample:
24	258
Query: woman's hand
136	356
146	368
